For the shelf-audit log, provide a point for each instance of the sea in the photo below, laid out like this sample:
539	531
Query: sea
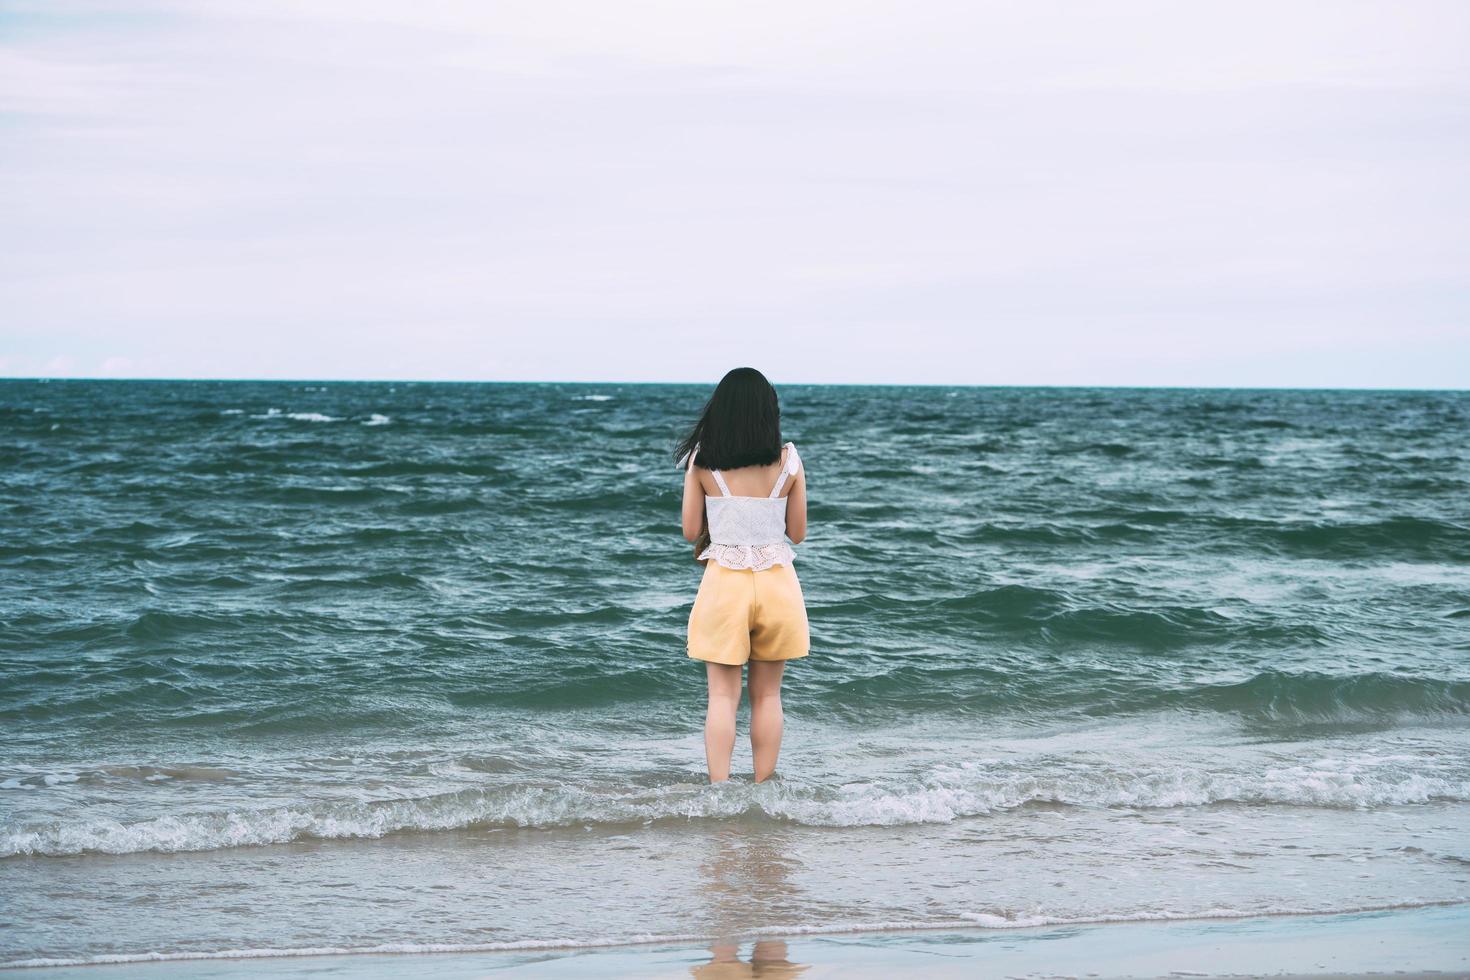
293	667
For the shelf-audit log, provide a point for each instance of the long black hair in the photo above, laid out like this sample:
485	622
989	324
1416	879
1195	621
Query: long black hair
740	424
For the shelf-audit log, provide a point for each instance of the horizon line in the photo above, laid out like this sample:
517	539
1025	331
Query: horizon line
802	384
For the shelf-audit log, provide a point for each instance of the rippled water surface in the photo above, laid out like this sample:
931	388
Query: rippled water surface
359	666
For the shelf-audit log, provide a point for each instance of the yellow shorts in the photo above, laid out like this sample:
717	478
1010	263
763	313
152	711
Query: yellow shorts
742	615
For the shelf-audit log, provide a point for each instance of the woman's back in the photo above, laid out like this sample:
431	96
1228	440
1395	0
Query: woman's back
749	481
748	530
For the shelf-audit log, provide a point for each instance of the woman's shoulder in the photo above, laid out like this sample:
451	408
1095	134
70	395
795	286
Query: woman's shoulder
686	462
791	461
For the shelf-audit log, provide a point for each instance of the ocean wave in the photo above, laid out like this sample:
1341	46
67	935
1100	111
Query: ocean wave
348	583
338	495
998	686
1312	696
1440	539
104	774
446	504
1306	697
276	413
1058	617
947	794
471	466
160	625
1029	533
962	921
1393	537
1112	450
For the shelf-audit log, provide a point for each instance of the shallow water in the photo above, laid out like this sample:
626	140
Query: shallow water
343	665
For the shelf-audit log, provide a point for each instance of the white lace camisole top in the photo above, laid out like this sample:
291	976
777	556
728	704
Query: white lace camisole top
749	532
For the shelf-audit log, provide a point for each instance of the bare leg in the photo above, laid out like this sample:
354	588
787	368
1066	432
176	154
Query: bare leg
765	715
719	719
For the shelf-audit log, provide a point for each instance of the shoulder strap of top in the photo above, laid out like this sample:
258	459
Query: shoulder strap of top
793	463
688	461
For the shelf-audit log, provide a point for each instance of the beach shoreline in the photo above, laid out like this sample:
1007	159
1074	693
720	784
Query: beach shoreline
1426	941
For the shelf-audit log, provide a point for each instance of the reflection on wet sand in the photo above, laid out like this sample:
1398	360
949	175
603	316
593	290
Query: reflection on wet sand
767	959
746	882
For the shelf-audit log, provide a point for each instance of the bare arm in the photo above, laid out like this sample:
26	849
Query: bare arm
693	504
796	507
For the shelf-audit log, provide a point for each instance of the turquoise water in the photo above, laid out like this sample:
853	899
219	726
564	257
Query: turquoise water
351	666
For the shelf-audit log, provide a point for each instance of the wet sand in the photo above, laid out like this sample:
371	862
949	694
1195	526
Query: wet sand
1420	942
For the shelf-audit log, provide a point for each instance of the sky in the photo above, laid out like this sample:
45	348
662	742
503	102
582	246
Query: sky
1075	193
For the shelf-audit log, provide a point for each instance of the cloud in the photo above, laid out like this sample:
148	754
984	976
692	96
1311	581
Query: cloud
1029	193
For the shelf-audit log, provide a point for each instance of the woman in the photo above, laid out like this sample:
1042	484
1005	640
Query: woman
746	490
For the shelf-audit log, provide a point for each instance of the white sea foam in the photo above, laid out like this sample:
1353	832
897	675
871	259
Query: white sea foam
41	779
948	794
233	411
377	419
977	920
313	417
592	398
